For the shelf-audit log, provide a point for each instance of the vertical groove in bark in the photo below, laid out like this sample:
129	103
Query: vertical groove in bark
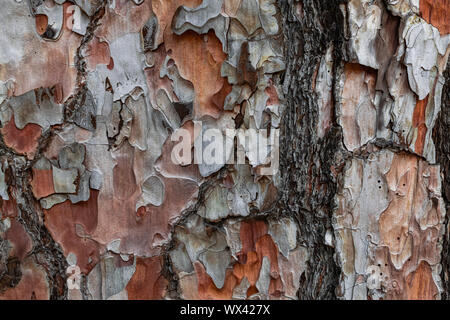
441	136
75	107
310	29
46	251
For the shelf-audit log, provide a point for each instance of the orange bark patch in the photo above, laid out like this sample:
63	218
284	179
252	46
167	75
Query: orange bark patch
199	59
419	123
257	244
23	141
41	23
206	288
97	53
409	228
436	12
264	247
110	65
165	10
147	282
250	269
250	232
420	284
42	183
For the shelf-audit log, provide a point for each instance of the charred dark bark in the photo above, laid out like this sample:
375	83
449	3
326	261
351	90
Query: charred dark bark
442	140
310	28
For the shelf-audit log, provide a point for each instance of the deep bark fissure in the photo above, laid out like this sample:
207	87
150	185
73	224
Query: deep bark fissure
442	141
309	186
46	252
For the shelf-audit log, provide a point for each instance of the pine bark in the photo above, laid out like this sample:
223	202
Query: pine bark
93	207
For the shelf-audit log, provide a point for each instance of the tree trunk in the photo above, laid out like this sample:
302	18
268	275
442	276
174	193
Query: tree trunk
126	172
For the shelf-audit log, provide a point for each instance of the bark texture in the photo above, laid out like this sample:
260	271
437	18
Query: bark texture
311	138
94	207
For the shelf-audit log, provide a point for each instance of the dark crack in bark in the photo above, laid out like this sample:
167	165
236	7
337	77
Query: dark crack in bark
46	251
442	142
306	161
